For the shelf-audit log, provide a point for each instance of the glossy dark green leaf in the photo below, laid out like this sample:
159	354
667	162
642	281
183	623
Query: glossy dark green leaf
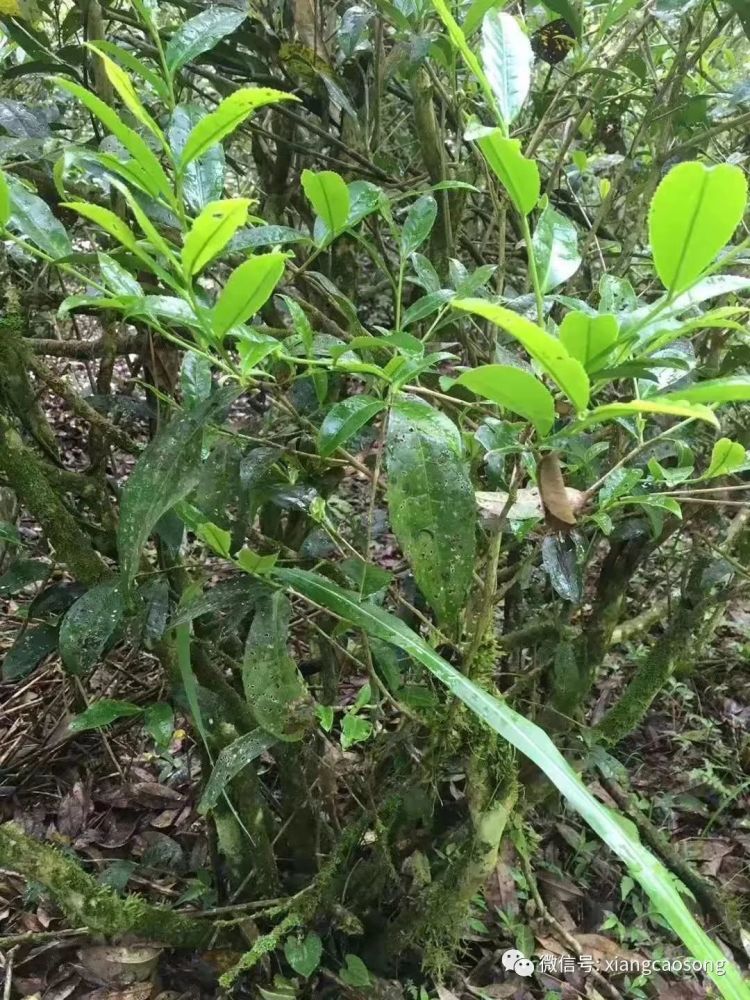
431	504
343	421
514	389
560	562
29	649
274	688
195	379
91	625
418	224
32	218
555	243
230	762
165	473
102	713
203	178
507	60
428	305
234	598
255	237
21	574
200	34
247	290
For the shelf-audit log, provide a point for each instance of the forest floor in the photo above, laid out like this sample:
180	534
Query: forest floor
126	807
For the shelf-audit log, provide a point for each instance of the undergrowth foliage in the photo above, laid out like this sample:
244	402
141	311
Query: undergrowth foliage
315	352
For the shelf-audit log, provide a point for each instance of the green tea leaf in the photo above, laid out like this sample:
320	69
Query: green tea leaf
518	175
431	504
676	407
91	626
418	224
32	218
589	339
693	214
274	688
247	290
165	472
150	170
619	835
211	231
102	713
516	390
329	196
507	58
735	389
727	455
230	113
200	34
343	421
555	243
124	87
546	350
203	178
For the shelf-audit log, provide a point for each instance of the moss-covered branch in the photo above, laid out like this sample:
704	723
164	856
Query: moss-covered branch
85	901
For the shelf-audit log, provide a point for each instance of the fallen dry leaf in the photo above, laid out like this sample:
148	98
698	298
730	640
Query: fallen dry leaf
119	965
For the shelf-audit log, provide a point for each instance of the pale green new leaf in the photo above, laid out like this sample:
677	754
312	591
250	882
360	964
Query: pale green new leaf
546	350
507	58
669	406
329	196
102	713
693	214
727	455
518	175
619	835
247	290
589	338
124	87
515	390
555	243
431	504
211	231
230	113
735	389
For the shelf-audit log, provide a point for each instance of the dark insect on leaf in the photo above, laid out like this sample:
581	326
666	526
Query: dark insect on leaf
553	41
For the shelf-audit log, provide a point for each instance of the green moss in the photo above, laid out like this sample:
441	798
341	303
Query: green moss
84	901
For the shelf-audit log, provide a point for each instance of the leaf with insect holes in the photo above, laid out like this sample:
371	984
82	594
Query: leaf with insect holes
329	196
692	216
230	113
247	290
515	390
211	231
546	350
727	456
612	827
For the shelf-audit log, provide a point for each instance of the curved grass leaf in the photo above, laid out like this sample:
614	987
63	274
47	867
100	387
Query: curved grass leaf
546	350
431	504
230	113
343	421
735	389
670	406
124	87
692	216
515	390
614	829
